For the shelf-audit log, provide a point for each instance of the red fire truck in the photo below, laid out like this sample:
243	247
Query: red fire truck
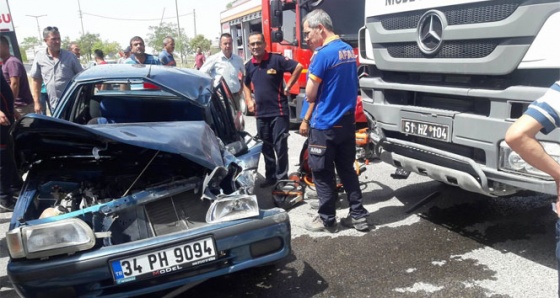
281	23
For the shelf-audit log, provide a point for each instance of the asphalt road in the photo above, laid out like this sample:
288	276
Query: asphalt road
458	244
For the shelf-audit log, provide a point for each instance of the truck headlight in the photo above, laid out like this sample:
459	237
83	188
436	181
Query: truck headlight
511	161
54	238
232	208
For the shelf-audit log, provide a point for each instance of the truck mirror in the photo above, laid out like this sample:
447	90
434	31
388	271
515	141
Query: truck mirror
276	13
277	36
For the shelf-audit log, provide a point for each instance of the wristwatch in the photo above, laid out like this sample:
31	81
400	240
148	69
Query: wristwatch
305	120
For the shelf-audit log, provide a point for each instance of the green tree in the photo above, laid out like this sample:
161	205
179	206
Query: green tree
200	41
87	42
29	43
158	33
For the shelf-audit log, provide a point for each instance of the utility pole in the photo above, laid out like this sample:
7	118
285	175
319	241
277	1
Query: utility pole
179	40
194	17
38	27
81	18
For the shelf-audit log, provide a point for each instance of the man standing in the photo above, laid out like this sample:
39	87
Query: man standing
543	115
124	55
7	164
332	90
138	55
99	57
199	59
55	66
166	55
227	65
75	49
15	74
266	72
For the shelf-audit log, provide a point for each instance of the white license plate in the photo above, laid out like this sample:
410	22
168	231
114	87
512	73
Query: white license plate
167	260
425	129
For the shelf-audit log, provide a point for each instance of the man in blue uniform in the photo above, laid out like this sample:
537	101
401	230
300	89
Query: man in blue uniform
266	72
331	91
542	115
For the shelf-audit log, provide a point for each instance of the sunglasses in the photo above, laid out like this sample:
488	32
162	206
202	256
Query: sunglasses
49	28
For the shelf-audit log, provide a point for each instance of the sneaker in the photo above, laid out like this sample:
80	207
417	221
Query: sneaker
267	183
315	204
359	224
317	225
6	207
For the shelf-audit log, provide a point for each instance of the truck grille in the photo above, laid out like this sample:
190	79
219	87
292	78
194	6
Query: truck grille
450	49
473	13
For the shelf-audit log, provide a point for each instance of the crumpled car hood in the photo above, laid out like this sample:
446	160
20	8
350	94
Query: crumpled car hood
39	137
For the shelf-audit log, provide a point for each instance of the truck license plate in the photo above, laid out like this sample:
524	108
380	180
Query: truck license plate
167	260
425	129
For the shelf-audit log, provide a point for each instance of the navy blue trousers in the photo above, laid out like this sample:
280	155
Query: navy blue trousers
330	149
274	132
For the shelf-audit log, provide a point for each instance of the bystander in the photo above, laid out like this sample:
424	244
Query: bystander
138	56
15	74
54	66
265	71
166	55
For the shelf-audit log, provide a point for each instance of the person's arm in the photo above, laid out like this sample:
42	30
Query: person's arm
293	79
304	126
521	137
311	89
4	121
36	92
14	85
248	99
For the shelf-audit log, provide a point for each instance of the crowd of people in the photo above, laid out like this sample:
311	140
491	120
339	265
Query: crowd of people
328	120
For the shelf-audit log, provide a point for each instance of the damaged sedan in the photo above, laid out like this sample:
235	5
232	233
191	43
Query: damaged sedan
141	182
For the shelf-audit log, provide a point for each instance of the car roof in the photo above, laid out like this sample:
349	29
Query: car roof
189	82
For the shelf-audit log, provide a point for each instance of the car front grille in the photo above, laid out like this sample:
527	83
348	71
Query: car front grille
474	13
177	213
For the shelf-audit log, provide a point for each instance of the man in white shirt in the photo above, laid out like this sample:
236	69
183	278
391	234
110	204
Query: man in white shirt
227	65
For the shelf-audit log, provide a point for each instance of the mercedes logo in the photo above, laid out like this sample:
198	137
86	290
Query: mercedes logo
430	32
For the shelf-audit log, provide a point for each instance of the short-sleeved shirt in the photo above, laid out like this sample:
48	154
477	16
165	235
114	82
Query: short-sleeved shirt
199	60
218	66
268	83
12	67
55	73
546	110
150	59
333	66
167	58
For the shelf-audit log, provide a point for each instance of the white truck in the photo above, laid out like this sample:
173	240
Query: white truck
445	79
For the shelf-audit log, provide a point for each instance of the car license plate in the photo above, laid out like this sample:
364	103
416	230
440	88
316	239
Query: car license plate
167	260
425	129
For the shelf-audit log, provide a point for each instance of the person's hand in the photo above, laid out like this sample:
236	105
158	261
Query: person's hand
304	128
251	106
37	108
4	121
287	91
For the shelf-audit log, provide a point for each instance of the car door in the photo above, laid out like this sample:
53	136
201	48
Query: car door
223	113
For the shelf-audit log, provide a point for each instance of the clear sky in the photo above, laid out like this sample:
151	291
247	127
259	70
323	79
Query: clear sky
115	20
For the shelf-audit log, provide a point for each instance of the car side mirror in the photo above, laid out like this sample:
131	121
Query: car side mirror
277	36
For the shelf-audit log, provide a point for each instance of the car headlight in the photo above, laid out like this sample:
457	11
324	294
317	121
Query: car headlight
54	238
232	207
510	160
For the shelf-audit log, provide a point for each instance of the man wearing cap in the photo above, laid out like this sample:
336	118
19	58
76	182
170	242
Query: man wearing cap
124	55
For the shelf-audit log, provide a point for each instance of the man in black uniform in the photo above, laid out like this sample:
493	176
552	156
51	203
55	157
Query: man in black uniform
7	164
266	72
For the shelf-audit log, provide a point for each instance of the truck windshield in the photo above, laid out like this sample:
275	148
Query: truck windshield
346	17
